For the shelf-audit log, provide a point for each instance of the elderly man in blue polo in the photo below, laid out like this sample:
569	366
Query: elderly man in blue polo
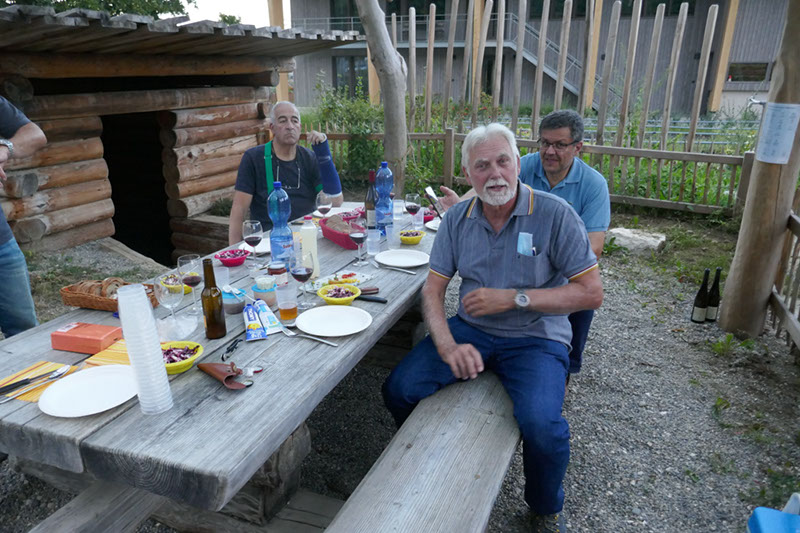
557	169
525	262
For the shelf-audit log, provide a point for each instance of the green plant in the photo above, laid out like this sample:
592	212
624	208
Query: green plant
692	475
773	493
611	246
222	207
720	405
720	465
724	346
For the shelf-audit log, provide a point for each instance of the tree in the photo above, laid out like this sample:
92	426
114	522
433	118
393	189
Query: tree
392	72
230	19
154	8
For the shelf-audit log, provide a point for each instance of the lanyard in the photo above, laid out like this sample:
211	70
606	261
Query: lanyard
268	164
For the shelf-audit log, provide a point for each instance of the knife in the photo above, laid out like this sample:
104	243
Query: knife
372	299
27	381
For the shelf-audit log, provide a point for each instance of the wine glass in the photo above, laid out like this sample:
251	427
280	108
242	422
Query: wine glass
359	236
324	202
169	292
252	234
413	206
191	274
302	268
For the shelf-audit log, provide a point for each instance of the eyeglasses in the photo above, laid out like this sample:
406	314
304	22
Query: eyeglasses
559	147
285	185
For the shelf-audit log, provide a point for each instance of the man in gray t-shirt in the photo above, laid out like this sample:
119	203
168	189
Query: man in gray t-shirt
525	262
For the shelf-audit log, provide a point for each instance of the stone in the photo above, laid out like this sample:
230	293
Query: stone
637	241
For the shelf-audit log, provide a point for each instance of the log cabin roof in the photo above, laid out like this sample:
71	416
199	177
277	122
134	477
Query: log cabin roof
34	29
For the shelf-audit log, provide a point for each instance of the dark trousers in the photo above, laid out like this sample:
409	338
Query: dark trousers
580	322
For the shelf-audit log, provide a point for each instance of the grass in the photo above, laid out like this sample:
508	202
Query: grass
780	483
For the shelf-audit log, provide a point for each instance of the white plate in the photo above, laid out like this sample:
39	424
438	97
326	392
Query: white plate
402	258
89	391
333	321
333	211
433	225
262	248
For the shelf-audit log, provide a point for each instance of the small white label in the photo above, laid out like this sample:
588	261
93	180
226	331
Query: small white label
711	313
778	128
699	314
371	218
68	327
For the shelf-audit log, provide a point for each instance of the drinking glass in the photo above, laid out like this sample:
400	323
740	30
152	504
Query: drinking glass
169	292
191	273
358	236
324	202
252	233
413	206
302	268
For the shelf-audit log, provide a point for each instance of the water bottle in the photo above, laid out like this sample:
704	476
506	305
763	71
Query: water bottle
384	182
280	239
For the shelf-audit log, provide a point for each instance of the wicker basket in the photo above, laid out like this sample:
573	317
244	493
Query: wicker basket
342	239
89	301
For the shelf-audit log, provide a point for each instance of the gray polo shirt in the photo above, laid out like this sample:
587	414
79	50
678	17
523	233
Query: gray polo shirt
467	244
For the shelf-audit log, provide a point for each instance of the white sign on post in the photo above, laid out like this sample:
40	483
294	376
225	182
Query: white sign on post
778	129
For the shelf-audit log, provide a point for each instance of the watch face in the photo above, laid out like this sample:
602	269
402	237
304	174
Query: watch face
522	300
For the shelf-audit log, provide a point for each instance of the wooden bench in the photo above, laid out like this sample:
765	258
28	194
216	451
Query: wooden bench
444	467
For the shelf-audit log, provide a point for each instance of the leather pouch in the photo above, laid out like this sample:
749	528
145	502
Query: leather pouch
224	373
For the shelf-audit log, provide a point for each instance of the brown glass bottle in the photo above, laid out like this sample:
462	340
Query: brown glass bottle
211	297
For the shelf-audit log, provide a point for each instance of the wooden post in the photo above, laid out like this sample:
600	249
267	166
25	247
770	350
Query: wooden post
476	94
588	57
466	71
633	39
744	181
702	70
563	49
448	63
608	63
523	11
276	19
718	82
394	30
649	76
672	72
767	208
449	156
477	24
498	57
373	83
537	84
429	66
591	57
412	67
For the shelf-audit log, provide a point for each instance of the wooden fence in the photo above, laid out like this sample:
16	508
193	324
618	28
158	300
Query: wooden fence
784	298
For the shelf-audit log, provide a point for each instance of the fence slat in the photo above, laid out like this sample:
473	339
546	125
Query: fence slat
466	69
429	66
498	57
562	53
412	67
588	57
702	70
633	38
672	72
521	18
448	64
537	83
476	93
731	185
608	63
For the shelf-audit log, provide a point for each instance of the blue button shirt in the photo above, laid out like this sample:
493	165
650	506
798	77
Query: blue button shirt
584	189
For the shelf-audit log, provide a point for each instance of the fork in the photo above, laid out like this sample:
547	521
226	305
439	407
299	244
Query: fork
289	333
34	386
379	266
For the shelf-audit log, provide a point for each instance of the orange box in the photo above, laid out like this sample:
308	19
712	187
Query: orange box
85	338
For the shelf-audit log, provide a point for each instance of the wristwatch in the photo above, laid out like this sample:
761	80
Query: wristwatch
522	300
8	144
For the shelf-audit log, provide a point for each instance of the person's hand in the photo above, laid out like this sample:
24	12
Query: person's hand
449	199
463	359
3	159
315	137
483	301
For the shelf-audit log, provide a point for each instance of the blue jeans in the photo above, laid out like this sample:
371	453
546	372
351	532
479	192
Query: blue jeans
580	322
16	304
533	372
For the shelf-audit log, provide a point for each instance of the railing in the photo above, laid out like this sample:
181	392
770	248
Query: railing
784	297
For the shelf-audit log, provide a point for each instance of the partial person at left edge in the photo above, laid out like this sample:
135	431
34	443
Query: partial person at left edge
19	137
302	172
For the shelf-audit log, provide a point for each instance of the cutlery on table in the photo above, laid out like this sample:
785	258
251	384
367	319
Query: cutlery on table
54	374
61	372
378	265
372	298
290	333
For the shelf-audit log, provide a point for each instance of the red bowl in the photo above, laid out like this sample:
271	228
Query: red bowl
429	214
236	261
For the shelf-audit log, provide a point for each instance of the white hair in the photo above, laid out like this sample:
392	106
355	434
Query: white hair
483	134
272	116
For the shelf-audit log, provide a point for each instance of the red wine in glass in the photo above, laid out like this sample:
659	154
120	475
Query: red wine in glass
412	208
358	237
192	280
253	240
324	209
302	273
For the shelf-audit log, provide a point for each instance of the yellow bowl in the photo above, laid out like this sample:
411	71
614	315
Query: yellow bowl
186	289
411	240
186	364
323	293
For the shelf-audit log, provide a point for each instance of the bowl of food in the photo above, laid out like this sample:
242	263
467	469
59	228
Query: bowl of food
179	356
232	258
338	294
173	280
411	236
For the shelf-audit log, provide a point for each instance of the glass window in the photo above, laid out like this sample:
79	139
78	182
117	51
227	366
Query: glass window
422	7
747	71
348	71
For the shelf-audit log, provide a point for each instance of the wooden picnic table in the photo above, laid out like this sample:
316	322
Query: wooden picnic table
204	449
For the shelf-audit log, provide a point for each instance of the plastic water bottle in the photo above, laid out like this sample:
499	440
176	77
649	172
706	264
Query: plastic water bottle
384	182
280	238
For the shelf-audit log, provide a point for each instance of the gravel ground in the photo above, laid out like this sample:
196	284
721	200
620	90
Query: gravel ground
668	434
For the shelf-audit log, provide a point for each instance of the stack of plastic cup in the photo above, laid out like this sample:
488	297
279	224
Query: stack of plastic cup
144	350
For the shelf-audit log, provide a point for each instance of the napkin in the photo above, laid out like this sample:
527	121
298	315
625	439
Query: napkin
116	354
34	370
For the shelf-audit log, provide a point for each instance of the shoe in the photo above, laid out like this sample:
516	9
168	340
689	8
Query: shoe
549	523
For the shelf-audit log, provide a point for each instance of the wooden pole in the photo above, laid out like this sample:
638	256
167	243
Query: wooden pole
591	60
718	82
476	94
477	24
540	60
608	63
649	76
633	39
498	57
412	67
563	49
373	83
702	71
467	71
394	30
768	206
588	58
429	66
276	19
672	72
448	64
521	17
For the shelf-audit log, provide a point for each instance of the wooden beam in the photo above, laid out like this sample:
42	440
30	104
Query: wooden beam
476	94
563	51
58	66
536	108
633	39
721	71
672	72
412	68
702	71
521	19
590	64
498	57
276	18
466	71
477	24
768	205
448	62
588	57
608	64
650	71
429	65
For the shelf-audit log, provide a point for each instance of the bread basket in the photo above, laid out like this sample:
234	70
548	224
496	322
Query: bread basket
72	295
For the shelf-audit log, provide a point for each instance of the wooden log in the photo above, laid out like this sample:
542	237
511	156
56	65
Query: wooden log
466	71
412	67
702	71
476	92
213	227
185	189
201	169
537	83
633	39
115	66
34	228
72	237
521	18
22	183
207	116
498	57
589	51
672	72
198	244
563	49
90	104
71	128
187	155
608	64
204	134
448	63
429	65
61	152
55	199
195	205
